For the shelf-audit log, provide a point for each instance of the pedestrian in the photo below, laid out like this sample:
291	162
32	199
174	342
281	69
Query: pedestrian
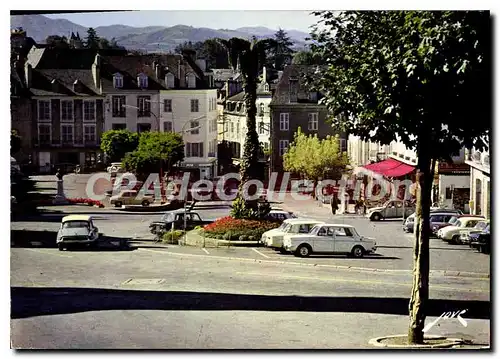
334	204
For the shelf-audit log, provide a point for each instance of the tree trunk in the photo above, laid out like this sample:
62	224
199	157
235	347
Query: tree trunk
420	289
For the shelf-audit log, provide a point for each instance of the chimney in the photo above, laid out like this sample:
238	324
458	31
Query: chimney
264	75
55	85
157	71
293	89
28	73
202	64
96	71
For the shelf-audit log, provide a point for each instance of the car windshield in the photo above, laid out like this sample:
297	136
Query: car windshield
167	217
315	230
288	228
459	223
76	224
282	227
481	225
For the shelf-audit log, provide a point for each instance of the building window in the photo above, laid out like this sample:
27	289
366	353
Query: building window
262	130
237	129
261	110
194	149
89	133
195	124
312	124
284	121
170	80
143	127
226	127
67	111
44	111
266	88
266	146
191	80
67	133
118	81
119	126
167	126
142	80
167	105
44	134
283	146
118	108
89	111
144	105
194	105
343	144
232	127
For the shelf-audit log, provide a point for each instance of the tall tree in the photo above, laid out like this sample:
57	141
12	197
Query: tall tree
281	51
306	58
116	143
312	157
92	41
414	76
251	56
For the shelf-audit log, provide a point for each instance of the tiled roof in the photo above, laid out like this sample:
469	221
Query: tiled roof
282	95
67	78
240	96
52	58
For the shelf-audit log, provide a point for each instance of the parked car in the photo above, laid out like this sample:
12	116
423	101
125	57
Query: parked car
482	241
452	233
274	237
130	197
176	219
438	218
279	215
391	209
77	230
329	238
454	219
465	234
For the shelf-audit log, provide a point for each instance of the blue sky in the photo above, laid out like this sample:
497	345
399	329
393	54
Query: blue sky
217	19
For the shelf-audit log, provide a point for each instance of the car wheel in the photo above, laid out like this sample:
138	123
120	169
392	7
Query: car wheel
376	217
304	250
145	203
118	204
358	252
455	239
60	246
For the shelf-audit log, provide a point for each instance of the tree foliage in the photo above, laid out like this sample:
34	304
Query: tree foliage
116	143
312	157
15	142
420	77
92	40
281	50
156	150
56	41
211	50
306	58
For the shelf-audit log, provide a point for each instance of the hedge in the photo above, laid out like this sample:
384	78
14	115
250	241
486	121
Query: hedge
232	229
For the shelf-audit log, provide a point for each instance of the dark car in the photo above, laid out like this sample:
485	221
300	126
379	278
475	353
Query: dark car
452	221
176	220
482	241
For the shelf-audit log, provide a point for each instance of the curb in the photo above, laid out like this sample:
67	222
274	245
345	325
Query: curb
452	342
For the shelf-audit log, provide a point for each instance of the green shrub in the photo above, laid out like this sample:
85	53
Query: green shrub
173	237
243	237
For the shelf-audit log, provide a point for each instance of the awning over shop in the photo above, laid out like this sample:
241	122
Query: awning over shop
390	168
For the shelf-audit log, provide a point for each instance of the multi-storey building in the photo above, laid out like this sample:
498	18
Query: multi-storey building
294	106
67	106
479	163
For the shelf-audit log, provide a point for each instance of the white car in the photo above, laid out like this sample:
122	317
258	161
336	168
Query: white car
452	233
330	238
274	237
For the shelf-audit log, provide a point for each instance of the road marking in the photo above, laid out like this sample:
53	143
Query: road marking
262	254
204	250
47	252
361	281
478	276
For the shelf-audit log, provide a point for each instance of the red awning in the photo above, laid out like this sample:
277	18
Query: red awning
390	168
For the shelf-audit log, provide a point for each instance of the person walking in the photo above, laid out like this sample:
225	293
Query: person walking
334	203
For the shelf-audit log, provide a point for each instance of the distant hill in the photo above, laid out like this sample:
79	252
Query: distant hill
151	38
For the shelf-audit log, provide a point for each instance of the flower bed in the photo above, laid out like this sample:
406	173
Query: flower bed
87	201
232	229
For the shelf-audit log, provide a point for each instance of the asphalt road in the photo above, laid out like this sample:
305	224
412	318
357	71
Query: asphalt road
169	299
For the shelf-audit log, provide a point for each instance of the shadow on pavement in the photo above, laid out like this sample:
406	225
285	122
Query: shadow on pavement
340	256
35	301
457	248
47	239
